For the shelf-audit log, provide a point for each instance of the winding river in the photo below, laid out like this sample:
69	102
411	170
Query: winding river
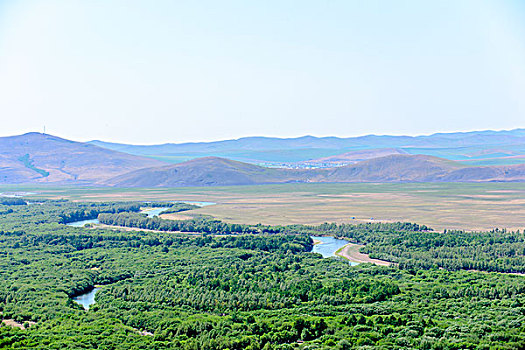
150	212
81	223
328	246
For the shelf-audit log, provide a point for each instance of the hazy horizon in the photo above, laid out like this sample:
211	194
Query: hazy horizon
258	136
149	73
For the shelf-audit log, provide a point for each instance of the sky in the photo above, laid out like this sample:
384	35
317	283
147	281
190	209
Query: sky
149	72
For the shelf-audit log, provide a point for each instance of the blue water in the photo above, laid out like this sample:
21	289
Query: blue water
150	212
86	299
329	246
153	212
83	222
200	204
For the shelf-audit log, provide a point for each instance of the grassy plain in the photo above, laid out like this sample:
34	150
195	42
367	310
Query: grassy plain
469	206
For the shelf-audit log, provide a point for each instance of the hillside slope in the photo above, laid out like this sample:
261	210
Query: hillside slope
42	158
214	171
487	173
208	171
394	168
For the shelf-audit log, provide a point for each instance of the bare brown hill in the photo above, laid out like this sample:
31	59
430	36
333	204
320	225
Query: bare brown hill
42	158
207	171
394	168
214	171
487	173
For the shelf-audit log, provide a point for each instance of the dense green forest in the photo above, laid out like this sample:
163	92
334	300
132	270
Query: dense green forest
250	286
199	224
410	245
415	247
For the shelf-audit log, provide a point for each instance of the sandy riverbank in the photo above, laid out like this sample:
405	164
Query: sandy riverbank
175	216
13	323
351	253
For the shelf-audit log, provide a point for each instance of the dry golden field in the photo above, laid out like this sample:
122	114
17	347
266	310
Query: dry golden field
468	206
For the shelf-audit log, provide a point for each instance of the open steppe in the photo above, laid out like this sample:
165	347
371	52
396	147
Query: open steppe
467	206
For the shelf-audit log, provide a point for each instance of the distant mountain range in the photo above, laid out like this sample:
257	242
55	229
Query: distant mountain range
473	148
36	158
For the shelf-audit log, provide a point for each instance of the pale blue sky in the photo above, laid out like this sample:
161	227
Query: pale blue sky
175	71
